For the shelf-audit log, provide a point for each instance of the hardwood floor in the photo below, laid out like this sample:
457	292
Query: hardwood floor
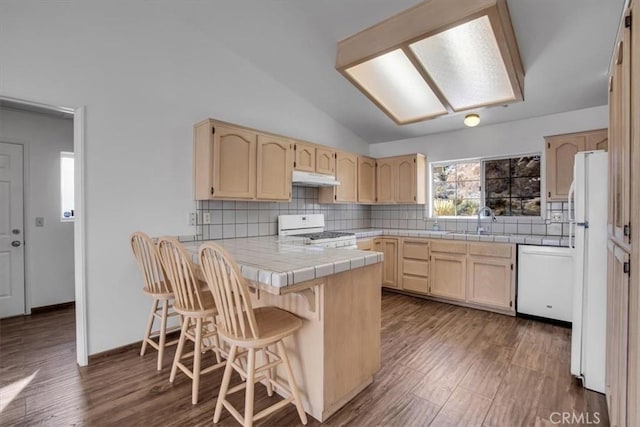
441	365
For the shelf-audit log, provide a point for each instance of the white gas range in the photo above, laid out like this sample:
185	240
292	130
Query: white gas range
309	230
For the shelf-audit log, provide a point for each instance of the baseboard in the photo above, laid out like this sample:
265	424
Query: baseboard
93	358
54	307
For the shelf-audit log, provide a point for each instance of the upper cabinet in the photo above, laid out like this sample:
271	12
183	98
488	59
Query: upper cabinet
347	175
560	157
385	185
231	162
310	158
274	168
366	179
325	161
305	157
401	179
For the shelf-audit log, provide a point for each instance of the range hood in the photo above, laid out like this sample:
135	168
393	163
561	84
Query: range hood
310	179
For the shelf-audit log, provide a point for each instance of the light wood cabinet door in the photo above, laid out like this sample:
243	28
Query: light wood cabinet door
448	275
234	163
490	281
325	161
389	248
414	266
385	181
560	158
405	181
347	175
274	168
305	157
617	379
366	180
598	140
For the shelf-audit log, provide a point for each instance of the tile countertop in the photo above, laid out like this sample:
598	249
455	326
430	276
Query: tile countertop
266	260
499	238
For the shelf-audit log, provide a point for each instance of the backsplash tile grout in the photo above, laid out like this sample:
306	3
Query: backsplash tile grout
232	219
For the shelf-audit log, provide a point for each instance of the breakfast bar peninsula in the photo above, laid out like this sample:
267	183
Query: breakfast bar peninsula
336	292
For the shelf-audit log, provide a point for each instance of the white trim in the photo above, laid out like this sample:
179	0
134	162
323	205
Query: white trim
37	104
82	347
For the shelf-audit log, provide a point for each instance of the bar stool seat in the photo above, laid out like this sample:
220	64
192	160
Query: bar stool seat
274	324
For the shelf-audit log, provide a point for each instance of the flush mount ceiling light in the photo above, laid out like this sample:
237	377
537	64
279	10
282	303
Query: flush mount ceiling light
436	58
472	120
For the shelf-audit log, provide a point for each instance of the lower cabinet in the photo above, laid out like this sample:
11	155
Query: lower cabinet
389	248
490	281
448	275
477	274
414	266
616	373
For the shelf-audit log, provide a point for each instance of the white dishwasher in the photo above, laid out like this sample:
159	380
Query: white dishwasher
545	282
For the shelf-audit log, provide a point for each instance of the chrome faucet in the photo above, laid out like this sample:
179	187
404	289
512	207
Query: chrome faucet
479	228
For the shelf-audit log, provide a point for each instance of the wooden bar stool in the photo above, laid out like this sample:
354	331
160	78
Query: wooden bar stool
156	286
248	331
197	307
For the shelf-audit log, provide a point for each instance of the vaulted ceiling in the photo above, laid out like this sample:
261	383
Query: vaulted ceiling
565	45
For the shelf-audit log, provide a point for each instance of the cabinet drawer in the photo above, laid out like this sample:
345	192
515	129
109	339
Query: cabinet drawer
415	284
449	247
415	249
417	268
491	250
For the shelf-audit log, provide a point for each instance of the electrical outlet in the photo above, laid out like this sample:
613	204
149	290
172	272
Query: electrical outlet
556	216
404	215
206	217
191	219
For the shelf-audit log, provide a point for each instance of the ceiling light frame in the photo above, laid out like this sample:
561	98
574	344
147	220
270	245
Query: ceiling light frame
421	22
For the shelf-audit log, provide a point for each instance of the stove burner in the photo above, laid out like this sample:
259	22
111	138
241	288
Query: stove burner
325	235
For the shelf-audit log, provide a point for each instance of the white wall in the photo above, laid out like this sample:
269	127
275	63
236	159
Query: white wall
517	137
146	74
48	249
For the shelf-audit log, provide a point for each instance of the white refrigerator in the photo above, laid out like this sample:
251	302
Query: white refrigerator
588	198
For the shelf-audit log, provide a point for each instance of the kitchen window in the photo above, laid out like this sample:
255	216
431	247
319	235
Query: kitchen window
509	186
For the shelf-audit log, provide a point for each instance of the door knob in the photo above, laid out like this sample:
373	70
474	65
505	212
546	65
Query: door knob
15	243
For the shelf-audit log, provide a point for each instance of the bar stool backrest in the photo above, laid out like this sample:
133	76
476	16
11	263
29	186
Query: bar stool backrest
148	259
230	292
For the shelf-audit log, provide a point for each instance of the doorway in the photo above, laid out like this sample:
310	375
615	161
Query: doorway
41	217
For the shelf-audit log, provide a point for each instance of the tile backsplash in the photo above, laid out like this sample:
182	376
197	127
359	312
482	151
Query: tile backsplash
411	217
230	219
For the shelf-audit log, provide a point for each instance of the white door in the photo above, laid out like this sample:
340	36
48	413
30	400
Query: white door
11	231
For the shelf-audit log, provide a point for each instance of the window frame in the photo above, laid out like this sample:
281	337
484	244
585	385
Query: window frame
429	209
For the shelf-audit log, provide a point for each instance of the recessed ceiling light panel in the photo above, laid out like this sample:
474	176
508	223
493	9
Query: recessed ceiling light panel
466	64
396	86
438	57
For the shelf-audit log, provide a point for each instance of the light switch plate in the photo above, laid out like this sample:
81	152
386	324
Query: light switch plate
39	221
191	219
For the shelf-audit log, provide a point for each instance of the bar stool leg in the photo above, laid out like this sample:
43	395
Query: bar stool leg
197	355
248	399
147	333
226	378
176	359
292	383
163	333
267	372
